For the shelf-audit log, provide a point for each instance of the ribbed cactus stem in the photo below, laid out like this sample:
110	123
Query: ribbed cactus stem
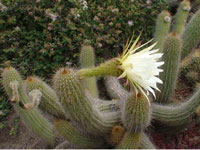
191	35
145	142
49	101
169	130
115	89
87	57
162	28
136	113
104	105
33	119
110	67
87	60
72	96
181	16
72	135
107	105
109	109
130	141
171	57
176	115
11	81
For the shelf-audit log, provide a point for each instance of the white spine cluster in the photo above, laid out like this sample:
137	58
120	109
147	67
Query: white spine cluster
14	86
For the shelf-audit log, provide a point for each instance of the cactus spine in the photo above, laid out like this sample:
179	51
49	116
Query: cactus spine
87	60
32	118
191	35
136	113
181	16
49	102
171	57
162	27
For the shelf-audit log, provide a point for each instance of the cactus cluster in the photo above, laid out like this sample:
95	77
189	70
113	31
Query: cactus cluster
72	109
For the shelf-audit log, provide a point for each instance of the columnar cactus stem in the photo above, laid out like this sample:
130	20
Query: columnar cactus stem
33	119
75	102
87	57
49	102
172	51
145	142
115	89
107	105
176	115
191	35
77	138
110	67
136	113
130	141
162	27
181	16
169	130
87	60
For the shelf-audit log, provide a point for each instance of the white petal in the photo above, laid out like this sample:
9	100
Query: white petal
142	68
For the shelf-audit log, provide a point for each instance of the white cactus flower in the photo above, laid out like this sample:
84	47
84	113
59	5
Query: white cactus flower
141	68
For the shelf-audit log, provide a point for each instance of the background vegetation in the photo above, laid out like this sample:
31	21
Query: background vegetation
38	36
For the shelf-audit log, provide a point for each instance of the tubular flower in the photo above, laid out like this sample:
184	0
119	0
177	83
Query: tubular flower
141	68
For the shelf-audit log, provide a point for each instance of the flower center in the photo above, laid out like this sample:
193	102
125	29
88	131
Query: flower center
129	65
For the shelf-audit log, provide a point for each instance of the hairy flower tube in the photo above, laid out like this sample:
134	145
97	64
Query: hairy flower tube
141	68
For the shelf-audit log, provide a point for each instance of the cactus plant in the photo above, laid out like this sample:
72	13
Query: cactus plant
130	141
87	60
76	137
136	113
189	68
171	56
162	27
33	119
49	102
145	142
75	102
191	35
87	121
181	16
177	115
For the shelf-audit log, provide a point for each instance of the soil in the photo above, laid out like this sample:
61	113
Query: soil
187	139
23	139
